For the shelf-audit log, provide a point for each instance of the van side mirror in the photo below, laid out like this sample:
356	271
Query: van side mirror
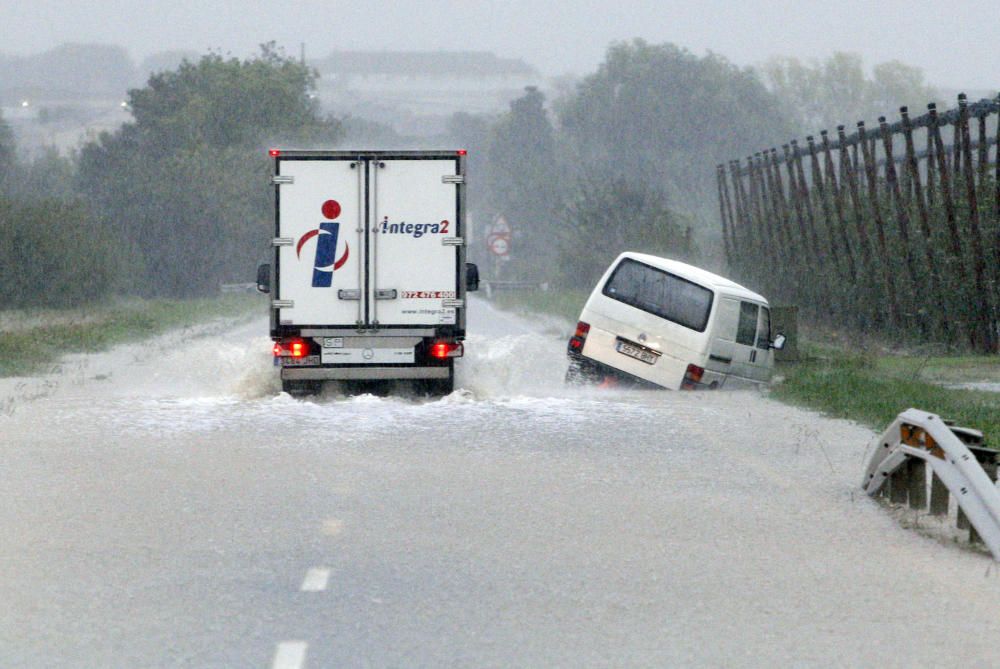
471	277
778	343
264	278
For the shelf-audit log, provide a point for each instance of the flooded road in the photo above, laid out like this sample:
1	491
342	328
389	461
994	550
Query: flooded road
164	505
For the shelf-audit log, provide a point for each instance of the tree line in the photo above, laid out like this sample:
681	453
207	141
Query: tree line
170	204
176	201
615	161
893	229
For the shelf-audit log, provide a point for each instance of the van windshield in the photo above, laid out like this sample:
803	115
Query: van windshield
660	293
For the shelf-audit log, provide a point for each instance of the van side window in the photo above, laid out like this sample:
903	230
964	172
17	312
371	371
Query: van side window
764	329
660	293
746	331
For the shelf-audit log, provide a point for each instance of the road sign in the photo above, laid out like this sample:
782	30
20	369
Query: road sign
500	227
499	245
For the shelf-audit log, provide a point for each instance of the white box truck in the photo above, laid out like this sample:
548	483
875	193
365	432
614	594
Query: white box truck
370	279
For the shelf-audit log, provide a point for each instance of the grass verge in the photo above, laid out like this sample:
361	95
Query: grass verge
26	350
873	389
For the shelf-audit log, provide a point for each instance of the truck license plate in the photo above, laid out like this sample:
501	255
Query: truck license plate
633	351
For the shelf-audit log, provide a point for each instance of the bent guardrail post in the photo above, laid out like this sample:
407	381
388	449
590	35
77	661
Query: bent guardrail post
924	436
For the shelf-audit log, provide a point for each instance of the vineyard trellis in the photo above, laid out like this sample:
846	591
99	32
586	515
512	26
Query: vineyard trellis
877	234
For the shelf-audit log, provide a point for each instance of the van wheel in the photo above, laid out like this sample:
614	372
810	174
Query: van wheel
301	388
581	372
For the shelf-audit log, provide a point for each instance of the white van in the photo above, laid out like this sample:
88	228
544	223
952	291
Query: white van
662	322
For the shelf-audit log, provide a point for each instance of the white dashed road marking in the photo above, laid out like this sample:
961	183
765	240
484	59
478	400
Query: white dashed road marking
290	655
316	580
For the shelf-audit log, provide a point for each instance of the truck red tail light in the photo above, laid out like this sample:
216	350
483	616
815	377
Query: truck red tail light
274	153
447	349
579	337
692	377
295	348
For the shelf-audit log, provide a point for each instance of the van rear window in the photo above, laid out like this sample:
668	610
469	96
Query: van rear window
660	293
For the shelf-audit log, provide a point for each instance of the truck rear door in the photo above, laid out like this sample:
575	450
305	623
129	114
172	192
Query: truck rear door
414	243
321	243
369	240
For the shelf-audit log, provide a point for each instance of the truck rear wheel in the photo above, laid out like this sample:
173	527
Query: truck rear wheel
437	387
301	388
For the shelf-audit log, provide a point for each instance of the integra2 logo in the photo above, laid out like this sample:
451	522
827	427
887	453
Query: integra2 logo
327	236
415	230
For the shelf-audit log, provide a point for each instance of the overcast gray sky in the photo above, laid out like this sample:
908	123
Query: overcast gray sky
956	42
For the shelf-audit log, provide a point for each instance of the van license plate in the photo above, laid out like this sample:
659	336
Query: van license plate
635	352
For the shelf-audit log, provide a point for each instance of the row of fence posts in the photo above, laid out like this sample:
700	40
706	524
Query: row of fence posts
874	237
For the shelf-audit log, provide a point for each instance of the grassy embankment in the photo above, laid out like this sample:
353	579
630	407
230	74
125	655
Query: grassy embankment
32	339
871	388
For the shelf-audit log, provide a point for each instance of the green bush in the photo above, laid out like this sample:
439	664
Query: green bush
52	254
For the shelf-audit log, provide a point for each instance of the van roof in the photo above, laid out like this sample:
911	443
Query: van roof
696	274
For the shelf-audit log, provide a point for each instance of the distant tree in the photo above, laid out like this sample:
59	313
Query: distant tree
472	132
824	94
185	184
602	217
8	152
218	102
660	114
522	183
46	176
53	255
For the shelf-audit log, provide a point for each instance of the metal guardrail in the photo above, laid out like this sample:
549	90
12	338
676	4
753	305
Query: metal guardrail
492	286
959	465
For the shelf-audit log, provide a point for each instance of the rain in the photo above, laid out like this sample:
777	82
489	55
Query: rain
169	498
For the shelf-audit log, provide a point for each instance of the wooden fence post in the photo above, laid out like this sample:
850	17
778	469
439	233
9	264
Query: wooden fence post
818	253
876	208
743	237
983	162
957	263
819	187
793	193
838	203
913	169
956	151
996	178
847	168
767	214
720	177
902	216
984	310
778	197
775	208
760	231
931	161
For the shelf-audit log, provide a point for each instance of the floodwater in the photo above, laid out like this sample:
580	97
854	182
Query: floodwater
162	505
